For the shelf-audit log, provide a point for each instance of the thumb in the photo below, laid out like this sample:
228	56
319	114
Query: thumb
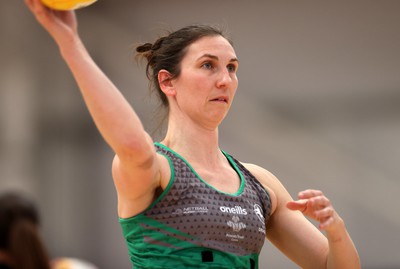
300	205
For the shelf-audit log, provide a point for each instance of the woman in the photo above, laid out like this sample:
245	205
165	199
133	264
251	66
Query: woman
21	246
182	202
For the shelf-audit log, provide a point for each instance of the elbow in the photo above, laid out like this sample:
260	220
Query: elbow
136	151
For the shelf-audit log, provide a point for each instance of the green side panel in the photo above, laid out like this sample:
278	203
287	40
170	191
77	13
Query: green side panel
154	245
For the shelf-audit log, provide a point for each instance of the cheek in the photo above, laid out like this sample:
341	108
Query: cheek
198	85
191	90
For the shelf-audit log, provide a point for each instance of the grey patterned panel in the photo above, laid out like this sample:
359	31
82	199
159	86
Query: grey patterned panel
234	224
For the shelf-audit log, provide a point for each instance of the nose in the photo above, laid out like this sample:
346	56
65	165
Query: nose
224	79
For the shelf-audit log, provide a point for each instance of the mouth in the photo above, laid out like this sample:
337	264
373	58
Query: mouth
221	99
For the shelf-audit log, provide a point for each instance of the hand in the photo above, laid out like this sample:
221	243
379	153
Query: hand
314	204
61	25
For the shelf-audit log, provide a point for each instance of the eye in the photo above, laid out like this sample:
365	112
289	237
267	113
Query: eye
207	65
231	68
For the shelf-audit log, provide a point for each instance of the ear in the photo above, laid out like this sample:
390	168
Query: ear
165	82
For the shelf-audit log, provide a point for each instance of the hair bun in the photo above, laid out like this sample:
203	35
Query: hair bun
144	48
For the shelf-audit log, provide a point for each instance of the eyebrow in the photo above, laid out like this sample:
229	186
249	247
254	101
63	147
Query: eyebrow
207	55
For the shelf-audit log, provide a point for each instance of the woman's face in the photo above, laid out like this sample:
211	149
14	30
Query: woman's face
207	83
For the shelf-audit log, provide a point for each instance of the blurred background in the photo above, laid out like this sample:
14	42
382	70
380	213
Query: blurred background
318	105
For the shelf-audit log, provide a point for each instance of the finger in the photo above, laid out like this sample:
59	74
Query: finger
309	193
38	9
324	213
34	5
319	202
29	3
326	223
300	205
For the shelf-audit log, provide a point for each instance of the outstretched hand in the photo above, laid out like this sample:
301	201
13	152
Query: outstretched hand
315	205
61	25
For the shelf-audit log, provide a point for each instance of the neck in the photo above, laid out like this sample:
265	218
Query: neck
194	142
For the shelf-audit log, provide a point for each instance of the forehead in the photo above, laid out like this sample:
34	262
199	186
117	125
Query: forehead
215	45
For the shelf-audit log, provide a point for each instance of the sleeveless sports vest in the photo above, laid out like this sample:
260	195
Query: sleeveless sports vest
193	225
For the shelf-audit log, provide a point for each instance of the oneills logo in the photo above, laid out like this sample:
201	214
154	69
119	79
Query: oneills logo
237	210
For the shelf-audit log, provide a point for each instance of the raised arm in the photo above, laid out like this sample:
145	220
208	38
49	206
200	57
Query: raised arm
114	117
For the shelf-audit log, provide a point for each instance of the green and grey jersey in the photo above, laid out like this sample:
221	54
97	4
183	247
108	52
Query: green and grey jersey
193	225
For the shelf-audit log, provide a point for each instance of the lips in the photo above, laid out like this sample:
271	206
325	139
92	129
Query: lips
223	99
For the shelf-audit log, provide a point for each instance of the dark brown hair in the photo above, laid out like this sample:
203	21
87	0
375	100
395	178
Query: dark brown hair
19	234
168	51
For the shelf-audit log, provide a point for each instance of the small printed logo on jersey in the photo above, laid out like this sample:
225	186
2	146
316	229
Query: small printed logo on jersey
237	210
190	210
235	224
259	213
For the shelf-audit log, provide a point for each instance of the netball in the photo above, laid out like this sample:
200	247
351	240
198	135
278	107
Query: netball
67	4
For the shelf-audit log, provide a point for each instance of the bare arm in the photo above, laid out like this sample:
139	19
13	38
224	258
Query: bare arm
342	252
298	238
114	117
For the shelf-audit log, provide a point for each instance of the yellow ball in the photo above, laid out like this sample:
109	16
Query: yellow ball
67	4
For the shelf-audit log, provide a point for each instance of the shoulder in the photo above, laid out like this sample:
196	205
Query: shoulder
138	186
268	181
289	230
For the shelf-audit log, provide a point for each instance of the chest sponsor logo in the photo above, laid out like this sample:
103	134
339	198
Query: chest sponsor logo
237	210
236	226
190	210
